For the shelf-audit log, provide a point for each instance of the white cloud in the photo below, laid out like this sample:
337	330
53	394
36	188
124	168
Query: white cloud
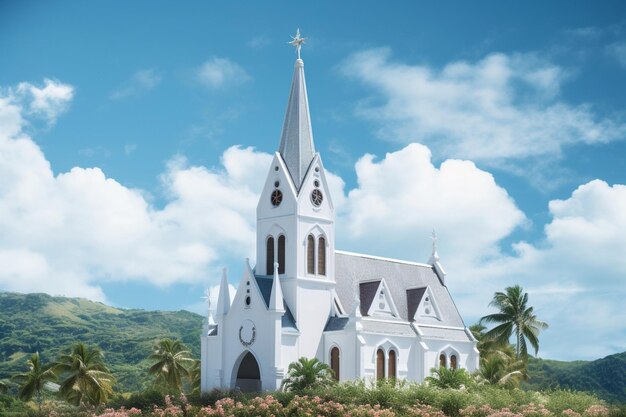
141	82
46	102
618	51
221	72
500	110
259	42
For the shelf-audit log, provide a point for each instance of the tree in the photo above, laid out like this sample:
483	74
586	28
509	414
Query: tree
448	378
172	362
307	373
3	387
498	363
514	317
85	378
194	377
33	382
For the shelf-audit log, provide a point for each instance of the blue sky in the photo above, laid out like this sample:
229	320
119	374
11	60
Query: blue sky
134	138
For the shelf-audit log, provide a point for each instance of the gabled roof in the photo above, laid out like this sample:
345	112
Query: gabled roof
399	276
265	286
367	292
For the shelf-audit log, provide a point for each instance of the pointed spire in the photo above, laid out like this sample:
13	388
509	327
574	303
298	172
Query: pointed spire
296	142
207	298
276	299
223	300
434	257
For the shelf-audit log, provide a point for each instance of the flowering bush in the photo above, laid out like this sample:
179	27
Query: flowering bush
122	412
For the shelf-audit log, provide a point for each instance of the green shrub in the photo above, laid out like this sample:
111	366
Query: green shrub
560	400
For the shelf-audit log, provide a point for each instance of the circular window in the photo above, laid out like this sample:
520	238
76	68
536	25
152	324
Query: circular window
317	169
316	183
248	300
427	311
276	198
317	198
276	184
381	306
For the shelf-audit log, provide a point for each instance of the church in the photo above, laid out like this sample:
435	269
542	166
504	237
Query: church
366	316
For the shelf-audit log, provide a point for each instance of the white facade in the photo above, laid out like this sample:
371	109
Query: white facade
367	317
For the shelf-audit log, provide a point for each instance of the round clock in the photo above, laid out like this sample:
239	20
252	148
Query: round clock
247	333
316	197
276	198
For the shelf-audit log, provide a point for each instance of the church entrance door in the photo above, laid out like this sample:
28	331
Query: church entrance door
248	374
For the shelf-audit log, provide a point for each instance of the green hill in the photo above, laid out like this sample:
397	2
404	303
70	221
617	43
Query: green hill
605	377
50	325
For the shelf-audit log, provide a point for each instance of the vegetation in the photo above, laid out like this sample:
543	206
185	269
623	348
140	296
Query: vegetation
514	317
32	383
41	323
172	362
306	374
85	378
449	378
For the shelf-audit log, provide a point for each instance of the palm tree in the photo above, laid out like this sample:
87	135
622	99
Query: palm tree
514	317
448	378
32	382
307	373
194	377
86	379
172	359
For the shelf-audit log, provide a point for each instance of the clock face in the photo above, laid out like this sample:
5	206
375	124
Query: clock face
247	333
276	198
317	197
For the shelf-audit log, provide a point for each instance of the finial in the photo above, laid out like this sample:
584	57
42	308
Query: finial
276	265
297	41
433	237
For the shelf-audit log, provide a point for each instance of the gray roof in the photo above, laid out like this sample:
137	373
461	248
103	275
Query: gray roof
445	334
399	276
296	142
265	285
336	323
400	328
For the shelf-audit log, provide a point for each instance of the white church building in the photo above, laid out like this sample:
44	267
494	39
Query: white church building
366	316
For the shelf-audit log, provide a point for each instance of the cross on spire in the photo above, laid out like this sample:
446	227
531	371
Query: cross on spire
297	41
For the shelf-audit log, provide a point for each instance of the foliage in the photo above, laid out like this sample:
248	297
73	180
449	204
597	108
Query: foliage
498	362
85	378
514	316
604	377
32	383
449	378
39	322
172	359
3	387
307	373
195	377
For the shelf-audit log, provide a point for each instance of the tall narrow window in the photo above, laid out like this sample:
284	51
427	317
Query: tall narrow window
269	265
334	362
321	256
453	361
310	255
442	360
281	254
392	364
380	364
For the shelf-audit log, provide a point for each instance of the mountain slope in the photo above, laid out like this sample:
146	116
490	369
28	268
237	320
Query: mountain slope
605	377
50	325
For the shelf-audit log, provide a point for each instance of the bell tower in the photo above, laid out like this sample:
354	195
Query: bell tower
295	219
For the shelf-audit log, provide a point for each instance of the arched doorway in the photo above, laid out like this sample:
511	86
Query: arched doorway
248	374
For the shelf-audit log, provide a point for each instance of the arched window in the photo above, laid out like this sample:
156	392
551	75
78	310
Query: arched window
380	364
334	362
442	360
310	255
392	364
321	256
269	265
453	362
281	254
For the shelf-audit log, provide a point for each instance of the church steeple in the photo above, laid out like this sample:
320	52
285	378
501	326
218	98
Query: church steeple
296	142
